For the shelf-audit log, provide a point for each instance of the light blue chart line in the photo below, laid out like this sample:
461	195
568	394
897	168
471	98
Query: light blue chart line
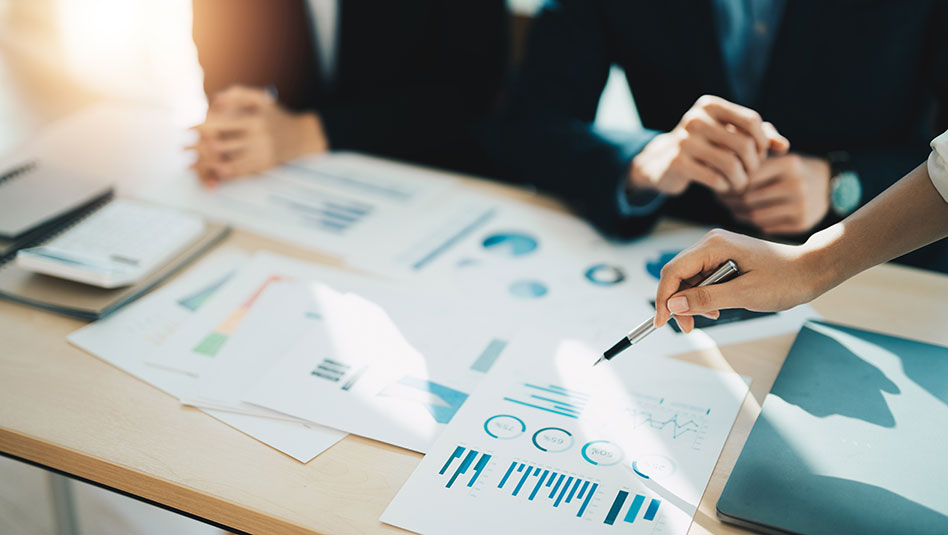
541	408
549	482
539	484
450	242
489	356
589	496
558	402
509	470
570	392
478	468
652	509
575	399
634	508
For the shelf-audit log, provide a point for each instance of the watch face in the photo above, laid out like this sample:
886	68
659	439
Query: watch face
845	193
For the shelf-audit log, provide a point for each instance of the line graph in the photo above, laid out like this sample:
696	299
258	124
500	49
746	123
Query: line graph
678	428
671	419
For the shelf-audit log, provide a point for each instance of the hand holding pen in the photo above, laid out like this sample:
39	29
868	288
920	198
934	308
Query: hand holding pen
773	277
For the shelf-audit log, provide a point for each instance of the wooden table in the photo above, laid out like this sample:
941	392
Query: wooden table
65	410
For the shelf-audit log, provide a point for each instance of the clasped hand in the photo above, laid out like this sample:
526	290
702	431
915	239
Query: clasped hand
247	131
744	160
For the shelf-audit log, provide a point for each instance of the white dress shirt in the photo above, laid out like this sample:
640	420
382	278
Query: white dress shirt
325	16
938	164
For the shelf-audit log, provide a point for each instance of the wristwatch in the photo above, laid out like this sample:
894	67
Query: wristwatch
845	188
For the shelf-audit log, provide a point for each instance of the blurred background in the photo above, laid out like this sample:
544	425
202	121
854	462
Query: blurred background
72	65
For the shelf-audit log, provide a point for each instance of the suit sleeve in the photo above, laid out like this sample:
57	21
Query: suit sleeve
546	136
880	169
433	107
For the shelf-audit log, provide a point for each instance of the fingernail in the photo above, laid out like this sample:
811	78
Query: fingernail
678	305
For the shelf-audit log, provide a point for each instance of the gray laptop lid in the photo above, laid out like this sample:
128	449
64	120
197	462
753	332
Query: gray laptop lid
853	438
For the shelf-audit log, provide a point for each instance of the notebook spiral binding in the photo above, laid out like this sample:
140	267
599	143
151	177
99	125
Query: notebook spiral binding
17	171
44	234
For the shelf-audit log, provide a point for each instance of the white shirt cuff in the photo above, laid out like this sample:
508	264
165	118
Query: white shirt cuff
938	165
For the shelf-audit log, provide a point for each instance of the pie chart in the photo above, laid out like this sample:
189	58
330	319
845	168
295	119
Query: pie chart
528	289
654	266
510	244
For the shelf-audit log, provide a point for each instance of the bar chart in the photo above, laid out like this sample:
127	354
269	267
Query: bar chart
632	512
466	460
211	344
551	398
528	480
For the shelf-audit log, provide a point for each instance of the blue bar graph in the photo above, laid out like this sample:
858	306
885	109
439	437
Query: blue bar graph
563	488
506	475
539	484
634	508
465	464
616	506
552	398
589	496
633	512
652	509
562	492
485	459
557	486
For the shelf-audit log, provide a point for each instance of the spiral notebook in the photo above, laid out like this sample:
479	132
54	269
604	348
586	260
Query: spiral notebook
38	203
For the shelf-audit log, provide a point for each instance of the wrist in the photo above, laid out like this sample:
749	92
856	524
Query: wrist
638	180
311	135
824	261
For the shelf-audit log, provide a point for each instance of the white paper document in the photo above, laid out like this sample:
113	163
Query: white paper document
310	342
550	444
127	338
531	265
344	204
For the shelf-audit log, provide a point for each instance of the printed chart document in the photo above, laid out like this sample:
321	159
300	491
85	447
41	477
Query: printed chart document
343	204
296	340
554	270
127	338
550	444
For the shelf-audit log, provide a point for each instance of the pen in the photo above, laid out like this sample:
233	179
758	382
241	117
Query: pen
727	270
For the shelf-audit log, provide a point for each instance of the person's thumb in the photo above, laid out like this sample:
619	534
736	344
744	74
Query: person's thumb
778	143
700	300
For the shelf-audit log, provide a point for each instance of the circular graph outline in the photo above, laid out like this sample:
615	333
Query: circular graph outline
522	425
594	463
594	268
545	450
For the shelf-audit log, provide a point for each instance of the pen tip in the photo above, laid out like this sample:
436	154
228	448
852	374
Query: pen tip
602	358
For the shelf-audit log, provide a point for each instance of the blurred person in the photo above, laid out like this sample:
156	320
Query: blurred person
910	214
764	116
286	78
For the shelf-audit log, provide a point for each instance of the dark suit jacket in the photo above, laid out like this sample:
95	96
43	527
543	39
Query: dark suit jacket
861	76
412	77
